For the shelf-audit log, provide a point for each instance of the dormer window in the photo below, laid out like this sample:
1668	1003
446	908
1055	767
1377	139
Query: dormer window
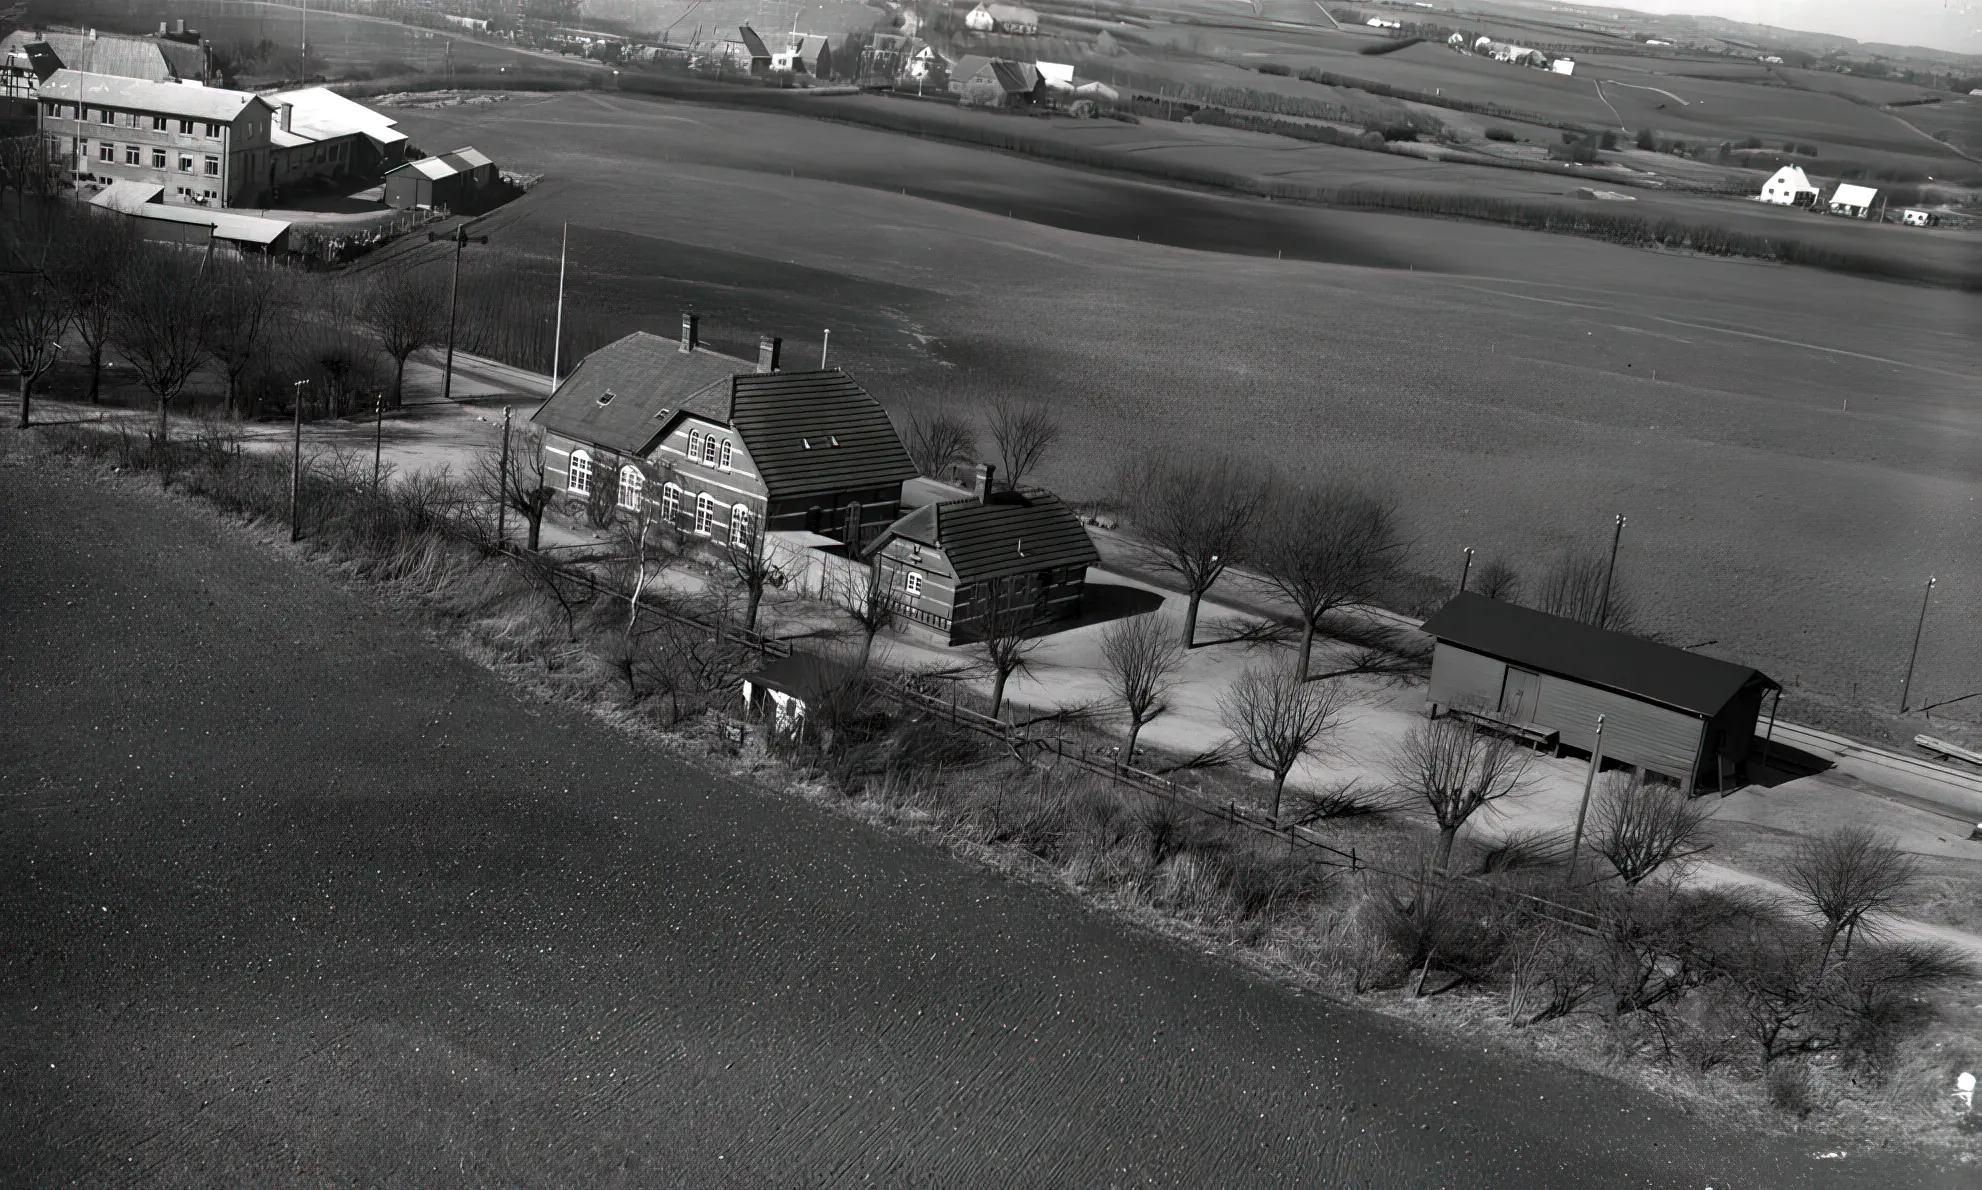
833	438
661	416
605	398
806	443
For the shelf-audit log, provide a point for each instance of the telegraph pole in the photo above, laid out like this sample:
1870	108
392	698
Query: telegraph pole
378	439
1467	572
296	467
502	486
1583	811
557	334
1603	601
461	240
1906	687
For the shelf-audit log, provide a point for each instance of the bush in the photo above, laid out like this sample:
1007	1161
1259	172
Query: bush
1274	68
1394	132
1500	134
1647	139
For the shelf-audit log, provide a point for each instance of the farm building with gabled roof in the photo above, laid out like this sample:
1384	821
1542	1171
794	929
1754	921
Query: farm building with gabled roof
459	180
1789	187
948	565
1665	709
721	448
1854	202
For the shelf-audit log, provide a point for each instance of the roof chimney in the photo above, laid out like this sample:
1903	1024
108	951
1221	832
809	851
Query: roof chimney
92	35
182	25
161	28
768	349
691	325
984	473
284	112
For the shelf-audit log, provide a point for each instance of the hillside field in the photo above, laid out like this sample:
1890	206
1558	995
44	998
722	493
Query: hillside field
1515	389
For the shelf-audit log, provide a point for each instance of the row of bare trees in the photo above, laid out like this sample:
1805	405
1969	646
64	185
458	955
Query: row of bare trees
1021	433
1321	547
82	279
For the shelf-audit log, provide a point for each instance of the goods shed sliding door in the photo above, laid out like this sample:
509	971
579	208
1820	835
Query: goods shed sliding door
1634	732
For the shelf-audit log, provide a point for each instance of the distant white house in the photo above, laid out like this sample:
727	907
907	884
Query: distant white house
1563	65
1772	60
1001	18
1457	41
925	63
1383	23
1913	217
1789	187
1854	202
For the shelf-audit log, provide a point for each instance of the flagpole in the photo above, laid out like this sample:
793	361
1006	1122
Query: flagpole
557	336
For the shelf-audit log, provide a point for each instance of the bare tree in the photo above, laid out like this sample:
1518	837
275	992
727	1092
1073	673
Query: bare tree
754	567
1327	547
523	487
1846	874
1277	717
1457	771
33	313
1640	827
1021	432
160	327
90	272
1197	517
1144	661
866	596
407	311
1005	644
937	441
1573	587
248	303
1496	579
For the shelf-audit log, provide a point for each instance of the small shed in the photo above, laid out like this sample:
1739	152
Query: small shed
1666	710
1854	202
1914	217
457	180
786	689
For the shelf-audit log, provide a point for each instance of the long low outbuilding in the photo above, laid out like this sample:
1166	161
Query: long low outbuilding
1665	710
176	223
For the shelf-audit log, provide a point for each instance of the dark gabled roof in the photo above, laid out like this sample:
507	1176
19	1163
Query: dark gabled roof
816	432
1017	78
1595	656
754	43
651	380
1016	533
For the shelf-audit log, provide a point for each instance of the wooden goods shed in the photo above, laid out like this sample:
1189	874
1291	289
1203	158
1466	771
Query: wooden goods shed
1666	710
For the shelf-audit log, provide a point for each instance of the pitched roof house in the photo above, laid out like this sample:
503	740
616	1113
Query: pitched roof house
95	52
978	81
1789	186
1854	201
722	448
319	133
949	566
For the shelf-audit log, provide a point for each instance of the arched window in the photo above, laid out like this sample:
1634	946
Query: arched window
671	505
630	484
739	524
709	450
705	513
695	444
728	453
580	479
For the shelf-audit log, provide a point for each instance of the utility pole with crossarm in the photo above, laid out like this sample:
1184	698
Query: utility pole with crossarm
461	239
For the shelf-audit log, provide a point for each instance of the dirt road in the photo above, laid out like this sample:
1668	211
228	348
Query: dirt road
295	898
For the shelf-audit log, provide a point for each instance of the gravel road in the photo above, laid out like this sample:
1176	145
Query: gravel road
296	898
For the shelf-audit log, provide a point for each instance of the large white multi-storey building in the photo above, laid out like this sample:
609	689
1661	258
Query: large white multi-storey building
202	144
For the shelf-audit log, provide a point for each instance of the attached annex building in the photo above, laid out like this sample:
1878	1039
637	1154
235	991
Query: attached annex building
959	567
1853	202
721	449
1666	710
